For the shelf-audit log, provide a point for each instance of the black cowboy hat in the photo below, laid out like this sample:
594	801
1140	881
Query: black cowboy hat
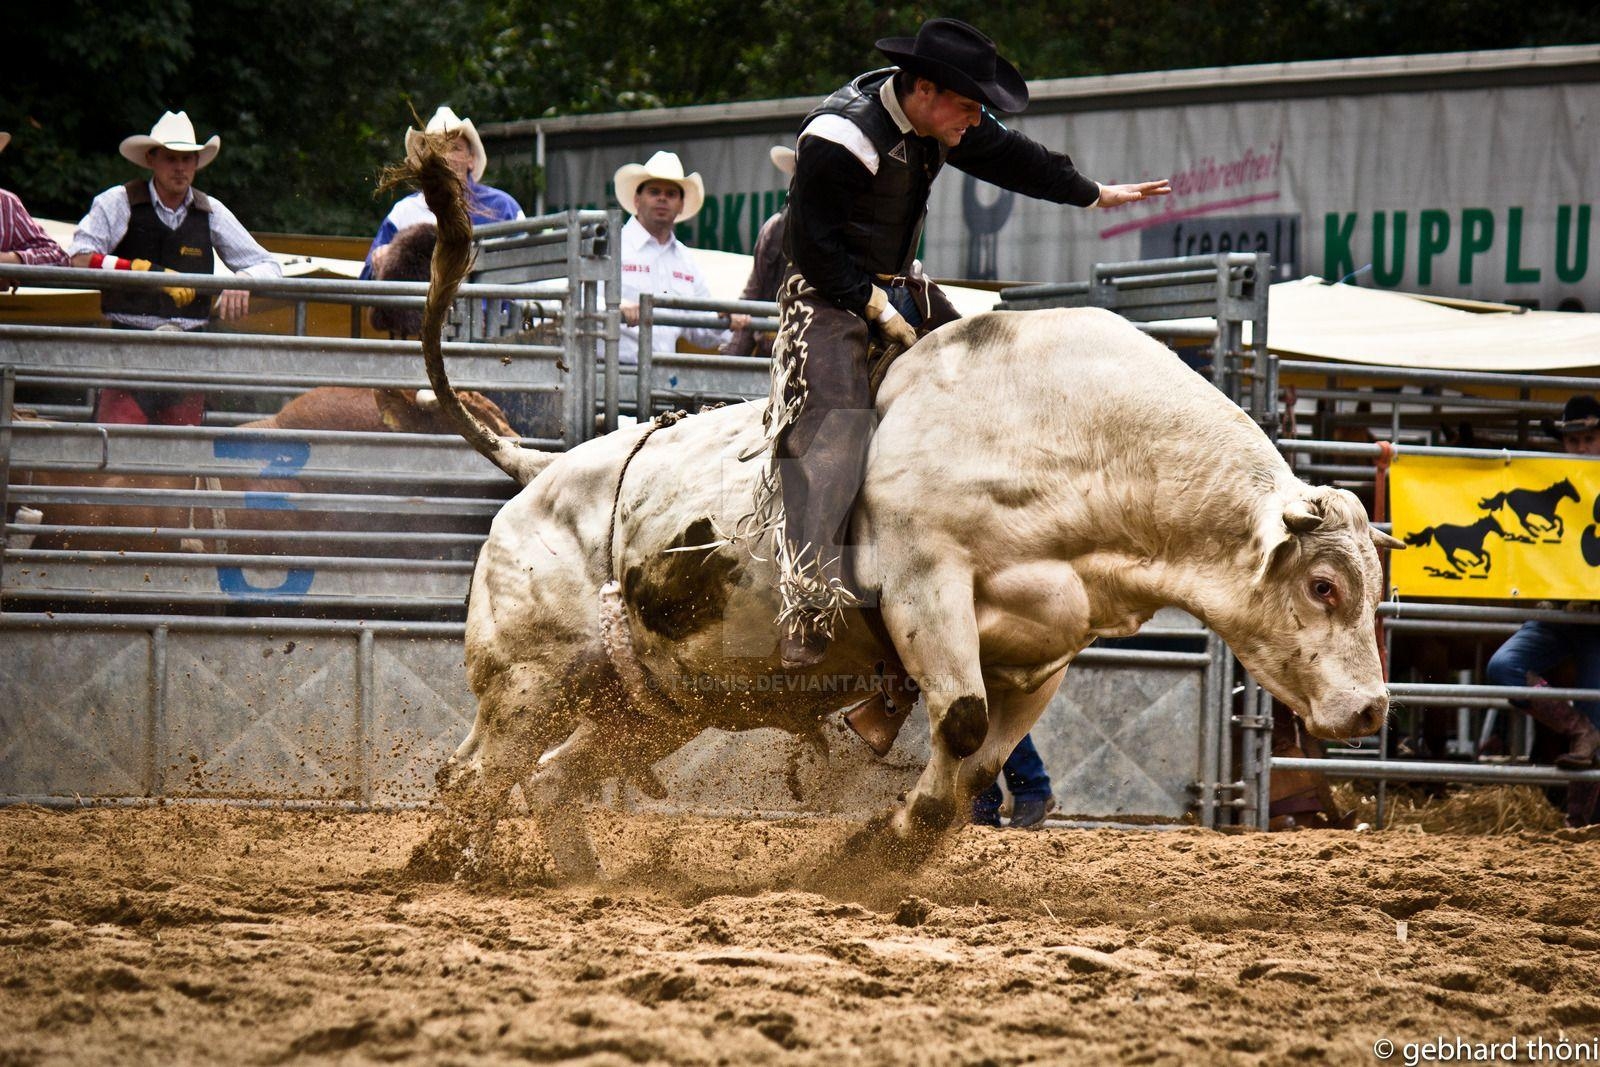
1581	413
960	58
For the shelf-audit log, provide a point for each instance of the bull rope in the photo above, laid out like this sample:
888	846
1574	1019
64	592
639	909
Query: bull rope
615	632
666	418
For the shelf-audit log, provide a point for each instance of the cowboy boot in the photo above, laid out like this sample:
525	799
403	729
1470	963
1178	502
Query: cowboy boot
1583	740
801	648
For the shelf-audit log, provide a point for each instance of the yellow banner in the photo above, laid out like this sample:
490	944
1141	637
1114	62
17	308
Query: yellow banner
1527	529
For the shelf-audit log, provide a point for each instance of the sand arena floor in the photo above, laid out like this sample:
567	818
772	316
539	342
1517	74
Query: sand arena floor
208	935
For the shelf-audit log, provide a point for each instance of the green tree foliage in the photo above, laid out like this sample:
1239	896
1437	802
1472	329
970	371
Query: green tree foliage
311	99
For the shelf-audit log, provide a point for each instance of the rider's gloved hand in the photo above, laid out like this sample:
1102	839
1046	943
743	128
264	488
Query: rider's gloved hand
891	322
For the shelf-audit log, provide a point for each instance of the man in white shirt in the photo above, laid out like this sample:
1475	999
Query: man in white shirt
165	224
654	261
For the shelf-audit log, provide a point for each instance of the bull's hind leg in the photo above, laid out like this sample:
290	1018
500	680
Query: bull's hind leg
1012	714
933	626
518	718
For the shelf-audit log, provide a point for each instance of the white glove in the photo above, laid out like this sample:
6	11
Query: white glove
890	321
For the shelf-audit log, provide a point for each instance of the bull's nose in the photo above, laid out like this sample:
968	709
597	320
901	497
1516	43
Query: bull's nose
1372	716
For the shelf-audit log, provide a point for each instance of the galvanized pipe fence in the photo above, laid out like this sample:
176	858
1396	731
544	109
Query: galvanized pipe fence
406	587
1408	409
202	584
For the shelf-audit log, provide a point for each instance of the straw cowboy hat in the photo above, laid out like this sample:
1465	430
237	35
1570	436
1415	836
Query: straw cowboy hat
445	121
665	167
782	158
959	57
170	131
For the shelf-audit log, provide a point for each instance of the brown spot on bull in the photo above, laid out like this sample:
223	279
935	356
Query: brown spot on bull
998	329
675	594
963	725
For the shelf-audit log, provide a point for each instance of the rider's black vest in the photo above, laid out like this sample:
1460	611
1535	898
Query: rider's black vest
885	225
186	249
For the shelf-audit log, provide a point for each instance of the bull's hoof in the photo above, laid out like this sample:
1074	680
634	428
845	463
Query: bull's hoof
882	844
571	850
442	856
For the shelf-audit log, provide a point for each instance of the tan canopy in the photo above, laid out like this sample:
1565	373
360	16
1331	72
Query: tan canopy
1308	318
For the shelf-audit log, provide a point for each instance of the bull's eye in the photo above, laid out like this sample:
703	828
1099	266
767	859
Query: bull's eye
1324	590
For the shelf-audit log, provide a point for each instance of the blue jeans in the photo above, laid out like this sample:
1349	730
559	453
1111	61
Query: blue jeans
1540	647
1025	777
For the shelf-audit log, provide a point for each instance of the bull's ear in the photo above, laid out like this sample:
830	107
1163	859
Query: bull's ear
1273	539
1301	515
1383	540
1274	555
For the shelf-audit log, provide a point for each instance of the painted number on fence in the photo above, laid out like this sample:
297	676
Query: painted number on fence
279	459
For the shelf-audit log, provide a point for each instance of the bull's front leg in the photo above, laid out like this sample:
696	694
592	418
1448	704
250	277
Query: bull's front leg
1012	713
934	628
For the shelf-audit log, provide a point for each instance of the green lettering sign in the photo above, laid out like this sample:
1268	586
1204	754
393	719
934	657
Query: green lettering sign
1388	270
1337	260
1516	273
1434	239
1477	235
733	216
1572	268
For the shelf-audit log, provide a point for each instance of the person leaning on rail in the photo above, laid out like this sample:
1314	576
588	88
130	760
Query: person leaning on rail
1538	648
660	195
21	239
164	223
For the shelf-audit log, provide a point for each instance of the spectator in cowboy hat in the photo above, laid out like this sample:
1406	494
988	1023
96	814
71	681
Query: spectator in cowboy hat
163	223
767	270
660	195
485	203
21	239
1536	650
1579	427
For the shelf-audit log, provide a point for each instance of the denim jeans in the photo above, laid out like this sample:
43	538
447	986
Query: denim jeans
1540	647
1025	777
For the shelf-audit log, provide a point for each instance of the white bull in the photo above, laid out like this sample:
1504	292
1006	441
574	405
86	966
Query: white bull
1038	480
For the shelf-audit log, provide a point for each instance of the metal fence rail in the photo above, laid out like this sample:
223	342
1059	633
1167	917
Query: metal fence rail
1408	408
554	335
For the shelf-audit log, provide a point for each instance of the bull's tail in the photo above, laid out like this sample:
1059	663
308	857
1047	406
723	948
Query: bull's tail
452	258
1492	503
1420	538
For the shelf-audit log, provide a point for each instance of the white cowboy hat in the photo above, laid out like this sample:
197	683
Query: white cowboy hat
5	139
666	167
782	158
170	131
445	121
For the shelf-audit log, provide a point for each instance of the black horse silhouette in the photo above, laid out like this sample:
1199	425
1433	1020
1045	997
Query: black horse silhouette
1590	541
1460	543
1535	504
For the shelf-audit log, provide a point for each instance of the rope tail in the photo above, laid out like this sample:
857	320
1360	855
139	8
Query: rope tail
452	259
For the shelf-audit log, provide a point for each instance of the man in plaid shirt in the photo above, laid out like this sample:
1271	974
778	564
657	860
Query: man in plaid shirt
21	239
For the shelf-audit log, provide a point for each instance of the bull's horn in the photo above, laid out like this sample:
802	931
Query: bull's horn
1300	516
427	400
1383	540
